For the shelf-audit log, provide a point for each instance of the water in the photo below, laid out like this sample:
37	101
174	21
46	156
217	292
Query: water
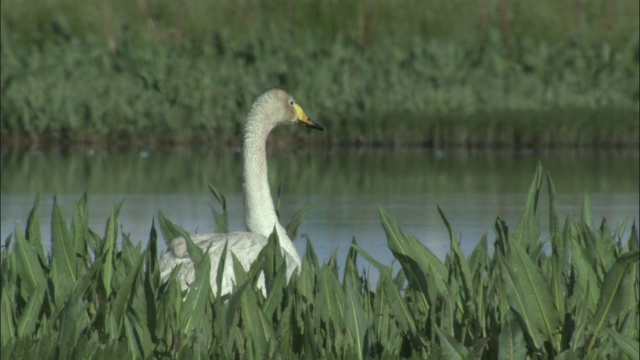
346	188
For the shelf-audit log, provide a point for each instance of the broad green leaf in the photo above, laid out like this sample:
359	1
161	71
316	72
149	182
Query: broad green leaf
124	295
330	297
63	257
169	230
256	325
568	355
398	305
530	296
199	291
72	321
511	341
615	295
417	261
462	267
527	232
273	260
451	347
7	317
275	274
306	283
130	337
109	250
29	317
586	289
628	344
355	317
29	267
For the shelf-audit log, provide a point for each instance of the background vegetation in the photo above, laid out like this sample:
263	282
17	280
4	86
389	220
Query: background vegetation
318	173
90	297
440	73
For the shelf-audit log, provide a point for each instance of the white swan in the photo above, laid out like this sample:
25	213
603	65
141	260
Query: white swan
274	107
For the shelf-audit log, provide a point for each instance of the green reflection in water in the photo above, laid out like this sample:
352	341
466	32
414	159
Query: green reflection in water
317	171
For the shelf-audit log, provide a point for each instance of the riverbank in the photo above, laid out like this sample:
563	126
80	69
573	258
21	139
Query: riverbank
71	82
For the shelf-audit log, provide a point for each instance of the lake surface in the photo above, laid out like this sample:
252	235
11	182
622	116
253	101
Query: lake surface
345	187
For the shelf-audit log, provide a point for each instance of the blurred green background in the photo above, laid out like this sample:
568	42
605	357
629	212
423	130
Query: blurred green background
373	72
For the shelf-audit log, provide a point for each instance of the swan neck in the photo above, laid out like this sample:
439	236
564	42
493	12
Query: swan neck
260	214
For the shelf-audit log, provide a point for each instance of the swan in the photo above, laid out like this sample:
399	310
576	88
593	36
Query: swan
273	108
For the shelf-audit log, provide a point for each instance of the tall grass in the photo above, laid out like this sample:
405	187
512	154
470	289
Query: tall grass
90	297
377	72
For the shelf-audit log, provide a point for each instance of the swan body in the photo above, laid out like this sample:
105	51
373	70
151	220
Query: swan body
273	108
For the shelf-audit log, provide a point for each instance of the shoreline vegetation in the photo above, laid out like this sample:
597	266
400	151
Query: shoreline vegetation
572	294
380	73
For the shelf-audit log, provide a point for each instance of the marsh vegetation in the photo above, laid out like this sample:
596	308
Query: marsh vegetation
100	295
438	74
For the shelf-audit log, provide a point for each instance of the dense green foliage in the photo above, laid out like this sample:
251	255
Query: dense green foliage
92	298
379	72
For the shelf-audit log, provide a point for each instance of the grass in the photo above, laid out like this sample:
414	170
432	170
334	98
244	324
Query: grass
373	73
91	297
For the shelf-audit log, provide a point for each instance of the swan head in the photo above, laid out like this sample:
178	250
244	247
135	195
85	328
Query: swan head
277	107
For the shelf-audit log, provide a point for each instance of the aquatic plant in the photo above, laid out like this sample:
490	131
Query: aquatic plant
91	297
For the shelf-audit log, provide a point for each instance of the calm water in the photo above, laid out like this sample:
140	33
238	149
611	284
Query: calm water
345	187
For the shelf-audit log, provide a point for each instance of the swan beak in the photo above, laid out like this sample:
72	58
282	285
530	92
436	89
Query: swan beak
304	120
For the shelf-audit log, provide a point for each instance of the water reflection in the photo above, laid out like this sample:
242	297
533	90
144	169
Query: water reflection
346	188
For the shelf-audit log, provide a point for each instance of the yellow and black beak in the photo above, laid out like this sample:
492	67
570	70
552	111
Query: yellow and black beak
304	120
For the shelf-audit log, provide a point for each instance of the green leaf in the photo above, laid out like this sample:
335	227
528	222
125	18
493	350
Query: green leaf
29	317
199	291
7	317
33	233
462	267
219	196
530	296
554	226
109	249
173	231
586	211
124	295
628	344
80	227
73	319
527	232
28	267
511	341
330	297
256	325
397	304
292	226
451	347
425	272
615	294
221	219
64	265
355	317
222	264
275	273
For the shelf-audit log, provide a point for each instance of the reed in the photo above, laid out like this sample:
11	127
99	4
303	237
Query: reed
91	297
